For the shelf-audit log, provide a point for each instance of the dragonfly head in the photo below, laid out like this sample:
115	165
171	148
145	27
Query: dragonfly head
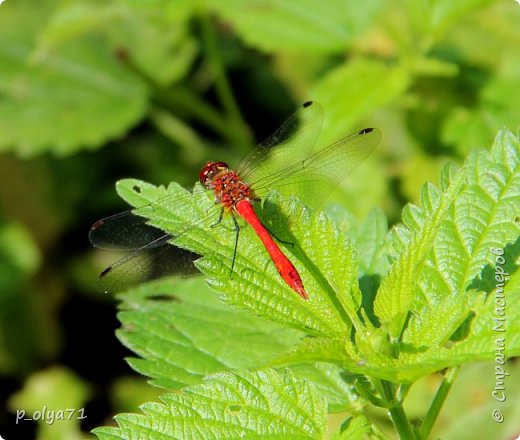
210	171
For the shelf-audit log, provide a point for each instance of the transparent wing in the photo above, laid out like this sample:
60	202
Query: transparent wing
316	175
294	140
146	264
151	255
130	230
125	231
289	162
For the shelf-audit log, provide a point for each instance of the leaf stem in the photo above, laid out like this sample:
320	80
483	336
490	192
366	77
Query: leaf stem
397	414
183	101
438	401
180	132
238	126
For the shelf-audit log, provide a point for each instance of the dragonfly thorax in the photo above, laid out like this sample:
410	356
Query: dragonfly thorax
228	188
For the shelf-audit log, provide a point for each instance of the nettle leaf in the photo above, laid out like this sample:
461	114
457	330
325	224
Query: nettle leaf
183	333
397	291
263	404
329	381
158	43
371	243
309	25
79	96
354	428
434	17
444	273
323	256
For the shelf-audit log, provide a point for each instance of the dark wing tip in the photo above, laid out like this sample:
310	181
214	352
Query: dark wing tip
105	272
307	104
97	224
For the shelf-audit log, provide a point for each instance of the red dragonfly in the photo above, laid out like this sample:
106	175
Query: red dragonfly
286	162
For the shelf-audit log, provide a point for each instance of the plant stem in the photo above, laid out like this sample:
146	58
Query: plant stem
438	401
183	100
178	131
222	86
397	414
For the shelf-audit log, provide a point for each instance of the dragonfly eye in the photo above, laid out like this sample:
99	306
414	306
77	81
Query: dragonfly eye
210	170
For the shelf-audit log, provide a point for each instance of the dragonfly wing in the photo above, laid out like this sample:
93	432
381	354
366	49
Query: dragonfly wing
130	230
318	174
146	264
125	231
293	141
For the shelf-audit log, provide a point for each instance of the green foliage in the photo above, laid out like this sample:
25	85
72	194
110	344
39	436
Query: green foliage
19	260
90	71
432	310
59	396
307	25
263	404
91	92
182	337
79	96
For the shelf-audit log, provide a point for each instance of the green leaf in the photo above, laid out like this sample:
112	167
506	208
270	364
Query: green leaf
444	253
325	260
489	37
157	43
355	89
436	16
397	291
371	243
329	381
18	252
470	127
77	97
26	333
246	405
355	428
184	333
482	218
309	25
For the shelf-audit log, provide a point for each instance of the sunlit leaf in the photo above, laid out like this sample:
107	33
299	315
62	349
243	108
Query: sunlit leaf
183	333
308	25
245	405
353	90
77	97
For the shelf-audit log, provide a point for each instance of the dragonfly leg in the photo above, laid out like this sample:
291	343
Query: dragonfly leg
278	238
237	233
219	221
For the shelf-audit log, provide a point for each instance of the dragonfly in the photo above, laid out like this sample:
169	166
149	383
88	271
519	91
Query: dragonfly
288	162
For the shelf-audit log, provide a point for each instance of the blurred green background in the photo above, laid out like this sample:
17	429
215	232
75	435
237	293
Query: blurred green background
91	92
